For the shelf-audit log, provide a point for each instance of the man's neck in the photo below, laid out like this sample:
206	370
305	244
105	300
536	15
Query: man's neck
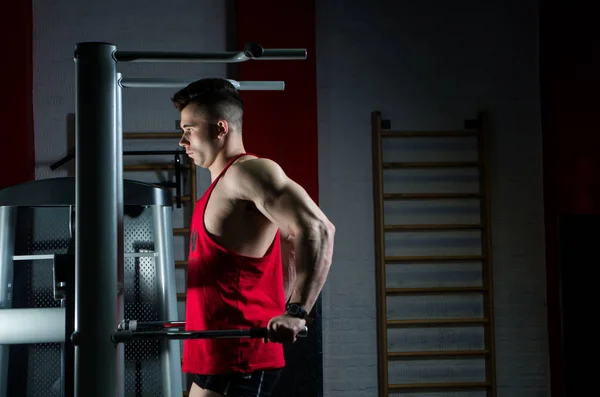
229	152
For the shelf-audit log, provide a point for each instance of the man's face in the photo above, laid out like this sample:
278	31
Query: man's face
200	136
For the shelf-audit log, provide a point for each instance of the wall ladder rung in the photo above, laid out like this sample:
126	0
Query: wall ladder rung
434	290
183	199
427	134
437	354
429	196
426	227
436	322
440	258
431	164
433	386
180	231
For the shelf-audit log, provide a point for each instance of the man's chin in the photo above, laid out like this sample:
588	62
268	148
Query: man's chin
194	161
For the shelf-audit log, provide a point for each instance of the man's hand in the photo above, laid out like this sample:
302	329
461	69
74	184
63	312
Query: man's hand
285	328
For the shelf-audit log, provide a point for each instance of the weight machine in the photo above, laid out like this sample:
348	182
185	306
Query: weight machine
100	253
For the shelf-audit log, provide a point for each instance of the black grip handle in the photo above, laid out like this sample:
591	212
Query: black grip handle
124	336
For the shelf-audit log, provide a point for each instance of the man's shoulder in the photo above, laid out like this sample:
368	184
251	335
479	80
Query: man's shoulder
254	161
254	176
255	169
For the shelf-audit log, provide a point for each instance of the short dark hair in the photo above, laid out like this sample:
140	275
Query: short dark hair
216	96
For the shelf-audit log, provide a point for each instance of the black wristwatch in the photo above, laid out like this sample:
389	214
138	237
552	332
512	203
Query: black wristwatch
296	310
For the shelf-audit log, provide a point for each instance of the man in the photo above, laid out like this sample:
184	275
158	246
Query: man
239	226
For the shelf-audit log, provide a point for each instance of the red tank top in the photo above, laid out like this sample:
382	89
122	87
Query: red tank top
226	290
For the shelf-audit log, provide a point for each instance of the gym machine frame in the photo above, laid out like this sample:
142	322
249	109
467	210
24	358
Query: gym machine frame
99	202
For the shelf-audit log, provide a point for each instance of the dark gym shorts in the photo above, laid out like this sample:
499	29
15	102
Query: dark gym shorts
254	384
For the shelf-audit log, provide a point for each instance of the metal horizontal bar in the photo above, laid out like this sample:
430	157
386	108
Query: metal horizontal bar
431	386
282	54
142	82
259	85
181	230
185	57
211	57
33	257
128	336
27	326
134	325
51	256
139	254
181	265
436	354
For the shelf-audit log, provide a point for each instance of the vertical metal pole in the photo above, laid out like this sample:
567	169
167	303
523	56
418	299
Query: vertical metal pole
170	355
67	382
63	358
120	241
8	226
96	249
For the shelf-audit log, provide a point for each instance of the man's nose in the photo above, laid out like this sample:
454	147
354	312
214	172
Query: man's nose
183	142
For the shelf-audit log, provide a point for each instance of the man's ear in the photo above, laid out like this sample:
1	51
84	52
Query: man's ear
222	128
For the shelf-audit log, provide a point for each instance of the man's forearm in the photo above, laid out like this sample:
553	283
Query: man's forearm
314	253
288	257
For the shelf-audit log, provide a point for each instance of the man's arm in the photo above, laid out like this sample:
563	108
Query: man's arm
288	206
288	263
